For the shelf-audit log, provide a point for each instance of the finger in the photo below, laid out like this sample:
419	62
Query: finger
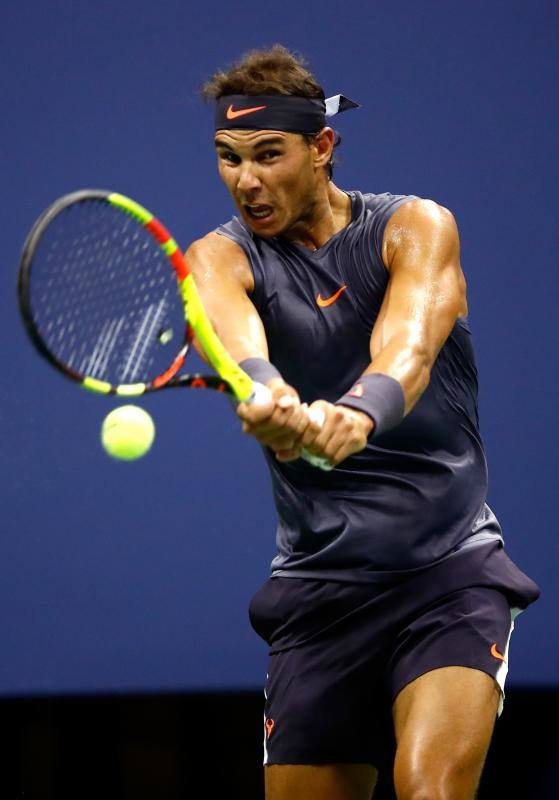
303	421
252	412
284	422
283	443
280	440
278	388
264	401
312	431
287	401
348	446
289	455
343	440
259	415
317	415
315	424
328	443
278	424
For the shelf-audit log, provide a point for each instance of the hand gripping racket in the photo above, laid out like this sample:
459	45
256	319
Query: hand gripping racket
100	302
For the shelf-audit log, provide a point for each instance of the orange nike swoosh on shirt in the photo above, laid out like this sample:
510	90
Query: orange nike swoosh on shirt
232	114
329	300
495	652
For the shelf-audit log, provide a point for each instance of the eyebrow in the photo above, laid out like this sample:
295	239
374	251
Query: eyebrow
270	140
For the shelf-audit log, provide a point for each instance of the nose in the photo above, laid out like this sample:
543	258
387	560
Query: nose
248	179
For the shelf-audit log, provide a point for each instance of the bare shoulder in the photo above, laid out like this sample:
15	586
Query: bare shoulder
420	225
420	213
216	257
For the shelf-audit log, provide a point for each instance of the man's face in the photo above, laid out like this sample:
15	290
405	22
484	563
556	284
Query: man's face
271	176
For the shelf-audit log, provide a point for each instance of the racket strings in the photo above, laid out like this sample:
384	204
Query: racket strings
104	296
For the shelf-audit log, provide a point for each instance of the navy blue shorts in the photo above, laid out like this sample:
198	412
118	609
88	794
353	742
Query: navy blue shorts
340	653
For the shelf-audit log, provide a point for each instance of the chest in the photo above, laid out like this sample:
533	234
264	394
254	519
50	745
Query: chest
318	315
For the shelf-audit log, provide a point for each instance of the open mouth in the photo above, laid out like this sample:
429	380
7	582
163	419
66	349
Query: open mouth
259	211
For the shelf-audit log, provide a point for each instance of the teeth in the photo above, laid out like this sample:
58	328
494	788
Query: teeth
255	213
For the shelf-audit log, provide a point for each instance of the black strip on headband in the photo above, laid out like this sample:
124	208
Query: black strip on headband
278	112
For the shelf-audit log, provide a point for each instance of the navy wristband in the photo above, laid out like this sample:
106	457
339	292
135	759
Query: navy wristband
380	397
259	370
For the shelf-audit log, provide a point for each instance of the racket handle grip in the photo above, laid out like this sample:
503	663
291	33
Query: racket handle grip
318	416
317	461
261	394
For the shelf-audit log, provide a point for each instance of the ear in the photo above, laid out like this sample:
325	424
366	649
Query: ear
323	145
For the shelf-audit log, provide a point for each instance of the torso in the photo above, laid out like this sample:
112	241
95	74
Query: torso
414	494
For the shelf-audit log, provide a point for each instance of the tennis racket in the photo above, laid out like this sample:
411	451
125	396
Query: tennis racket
108	299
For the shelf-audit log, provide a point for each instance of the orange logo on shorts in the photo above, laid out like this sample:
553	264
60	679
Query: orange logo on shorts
270	723
495	652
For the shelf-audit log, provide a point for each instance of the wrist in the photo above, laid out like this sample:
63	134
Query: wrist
365	421
260	370
379	397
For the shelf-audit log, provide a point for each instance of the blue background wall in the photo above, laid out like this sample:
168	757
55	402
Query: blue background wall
137	577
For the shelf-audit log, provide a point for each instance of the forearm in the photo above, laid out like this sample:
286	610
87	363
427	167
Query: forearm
235	322
425	295
407	363
223	281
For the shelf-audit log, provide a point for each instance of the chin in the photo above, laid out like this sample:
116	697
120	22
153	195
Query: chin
264	233
266	228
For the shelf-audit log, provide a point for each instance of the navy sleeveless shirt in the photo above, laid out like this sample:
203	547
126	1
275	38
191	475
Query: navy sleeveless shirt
415	494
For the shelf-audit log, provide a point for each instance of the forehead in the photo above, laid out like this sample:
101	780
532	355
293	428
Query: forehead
252	139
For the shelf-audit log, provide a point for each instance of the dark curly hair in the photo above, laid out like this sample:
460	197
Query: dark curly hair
272	70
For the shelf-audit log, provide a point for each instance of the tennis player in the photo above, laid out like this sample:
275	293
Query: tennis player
391	601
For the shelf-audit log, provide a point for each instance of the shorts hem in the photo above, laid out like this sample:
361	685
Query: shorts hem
501	689
320	762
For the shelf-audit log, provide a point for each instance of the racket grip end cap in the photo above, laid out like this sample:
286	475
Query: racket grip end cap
260	394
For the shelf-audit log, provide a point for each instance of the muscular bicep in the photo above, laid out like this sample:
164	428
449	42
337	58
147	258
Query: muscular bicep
426	293
224	280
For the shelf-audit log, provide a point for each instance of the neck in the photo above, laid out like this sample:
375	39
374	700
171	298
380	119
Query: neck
330	213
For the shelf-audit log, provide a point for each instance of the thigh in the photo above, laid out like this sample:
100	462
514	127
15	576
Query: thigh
443	722
448	673
320	782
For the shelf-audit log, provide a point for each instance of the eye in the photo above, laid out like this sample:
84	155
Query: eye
231	158
267	155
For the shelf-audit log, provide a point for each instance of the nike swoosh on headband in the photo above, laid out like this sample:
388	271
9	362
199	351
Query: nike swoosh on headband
232	114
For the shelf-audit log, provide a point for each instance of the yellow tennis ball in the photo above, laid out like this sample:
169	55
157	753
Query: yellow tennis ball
127	433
